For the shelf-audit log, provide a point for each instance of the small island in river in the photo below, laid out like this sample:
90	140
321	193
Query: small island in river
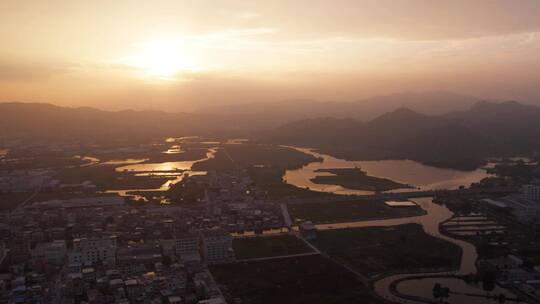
355	178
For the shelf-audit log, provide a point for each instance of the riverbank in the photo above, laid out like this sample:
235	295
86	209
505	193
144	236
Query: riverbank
349	211
419	176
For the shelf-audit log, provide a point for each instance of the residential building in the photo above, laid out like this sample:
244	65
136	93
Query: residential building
532	192
89	251
187	246
217	246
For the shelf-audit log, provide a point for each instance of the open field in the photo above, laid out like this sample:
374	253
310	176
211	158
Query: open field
265	164
262	247
271	180
232	156
388	249
348	211
9	201
106	178
154	155
301	280
40	162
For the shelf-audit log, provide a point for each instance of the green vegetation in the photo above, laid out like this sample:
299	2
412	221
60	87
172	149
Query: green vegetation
355	178
303	280
271	180
106	178
31	162
220	162
261	247
235	156
510	173
348	211
11	200
153	154
265	164
396	249
187	192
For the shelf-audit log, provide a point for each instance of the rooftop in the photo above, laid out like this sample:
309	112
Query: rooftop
400	203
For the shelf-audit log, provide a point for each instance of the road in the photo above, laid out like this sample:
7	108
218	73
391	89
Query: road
286	216
26	201
398	196
277	257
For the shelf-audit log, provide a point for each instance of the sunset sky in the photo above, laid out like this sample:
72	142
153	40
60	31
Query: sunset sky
184	55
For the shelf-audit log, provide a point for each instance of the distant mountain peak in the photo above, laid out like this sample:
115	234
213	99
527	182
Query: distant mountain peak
404	111
401	114
512	103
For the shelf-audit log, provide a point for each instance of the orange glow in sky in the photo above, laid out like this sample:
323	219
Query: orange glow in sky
184	55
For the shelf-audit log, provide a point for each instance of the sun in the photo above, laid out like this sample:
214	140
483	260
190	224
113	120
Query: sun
162	58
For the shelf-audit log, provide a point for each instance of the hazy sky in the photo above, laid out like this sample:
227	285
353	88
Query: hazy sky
181	55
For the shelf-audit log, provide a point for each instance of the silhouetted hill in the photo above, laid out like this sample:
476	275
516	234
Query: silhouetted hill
403	123
309	132
45	121
458	139
513	127
268	115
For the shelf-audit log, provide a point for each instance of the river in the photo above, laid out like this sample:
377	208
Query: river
409	284
165	166
179	170
408	172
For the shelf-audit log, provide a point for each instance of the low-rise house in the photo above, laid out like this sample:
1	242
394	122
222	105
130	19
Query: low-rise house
308	230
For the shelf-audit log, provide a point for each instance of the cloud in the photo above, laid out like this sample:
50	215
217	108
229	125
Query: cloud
402	19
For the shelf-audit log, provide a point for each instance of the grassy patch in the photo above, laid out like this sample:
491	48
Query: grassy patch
261	247
355	178
348	211
233	156
106	178
302	280
271	180
265	164
381	249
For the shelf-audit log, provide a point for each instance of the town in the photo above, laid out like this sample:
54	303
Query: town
82	243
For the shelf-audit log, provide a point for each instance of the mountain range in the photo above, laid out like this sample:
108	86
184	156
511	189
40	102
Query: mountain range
36	121
273	114
459	139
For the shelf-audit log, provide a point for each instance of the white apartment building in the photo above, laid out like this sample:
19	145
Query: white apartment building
187	246
217	246
89	251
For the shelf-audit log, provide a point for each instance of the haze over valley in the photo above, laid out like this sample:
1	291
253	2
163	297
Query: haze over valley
463	138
